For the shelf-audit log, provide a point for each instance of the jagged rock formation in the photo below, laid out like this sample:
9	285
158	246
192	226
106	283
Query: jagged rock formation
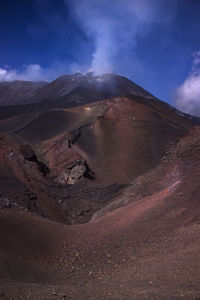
75	172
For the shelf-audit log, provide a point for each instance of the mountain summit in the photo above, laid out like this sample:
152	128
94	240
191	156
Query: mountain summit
78	86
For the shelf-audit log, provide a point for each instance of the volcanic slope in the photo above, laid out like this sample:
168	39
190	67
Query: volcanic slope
104	202
74	161
18	92
146	246
66	91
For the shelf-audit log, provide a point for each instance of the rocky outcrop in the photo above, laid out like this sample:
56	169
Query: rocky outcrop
75	172
29	154
63	178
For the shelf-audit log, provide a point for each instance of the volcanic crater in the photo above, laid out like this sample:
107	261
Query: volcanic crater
98	199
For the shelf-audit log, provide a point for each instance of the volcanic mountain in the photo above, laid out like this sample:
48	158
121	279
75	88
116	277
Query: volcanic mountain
18	92
77	85
66	91
99	193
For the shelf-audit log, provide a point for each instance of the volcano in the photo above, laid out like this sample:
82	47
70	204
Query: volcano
99	192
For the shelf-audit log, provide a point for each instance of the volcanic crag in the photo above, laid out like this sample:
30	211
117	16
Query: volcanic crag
99	192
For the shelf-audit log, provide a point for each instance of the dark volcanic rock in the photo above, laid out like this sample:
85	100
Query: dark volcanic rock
28	153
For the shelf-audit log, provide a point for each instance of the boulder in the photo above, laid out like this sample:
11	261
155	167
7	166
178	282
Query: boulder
77	172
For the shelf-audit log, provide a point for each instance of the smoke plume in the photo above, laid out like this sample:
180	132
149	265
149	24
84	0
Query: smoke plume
115	27
100	36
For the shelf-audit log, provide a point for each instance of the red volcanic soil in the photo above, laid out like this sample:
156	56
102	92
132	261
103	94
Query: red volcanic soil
119	138
130	230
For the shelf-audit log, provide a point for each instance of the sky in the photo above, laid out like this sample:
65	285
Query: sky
155	43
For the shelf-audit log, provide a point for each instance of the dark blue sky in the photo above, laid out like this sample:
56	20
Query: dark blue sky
151	42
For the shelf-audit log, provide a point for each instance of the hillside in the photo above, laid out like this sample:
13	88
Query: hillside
20	97
18	92
104	201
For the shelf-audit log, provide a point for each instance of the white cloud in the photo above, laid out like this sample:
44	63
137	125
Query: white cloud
30	73
2	72
187	96
35	72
